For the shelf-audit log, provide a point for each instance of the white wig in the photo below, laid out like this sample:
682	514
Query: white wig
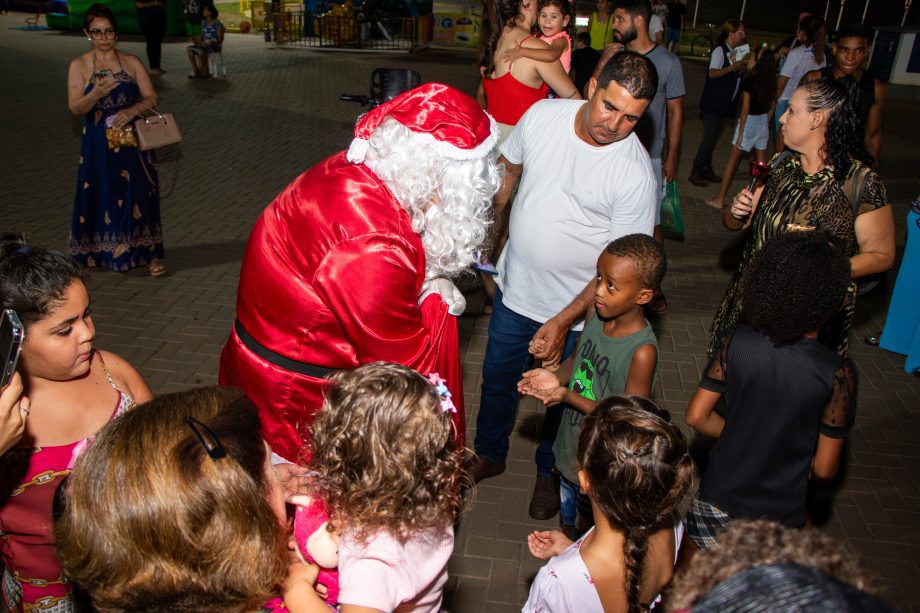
449	201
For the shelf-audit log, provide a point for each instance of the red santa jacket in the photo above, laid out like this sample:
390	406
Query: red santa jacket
331	277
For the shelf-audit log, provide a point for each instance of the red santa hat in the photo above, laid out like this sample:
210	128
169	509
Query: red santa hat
444	118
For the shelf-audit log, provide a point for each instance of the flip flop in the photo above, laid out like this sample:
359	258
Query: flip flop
156	269
714	203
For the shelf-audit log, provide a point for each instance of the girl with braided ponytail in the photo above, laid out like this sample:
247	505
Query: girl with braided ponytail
634	465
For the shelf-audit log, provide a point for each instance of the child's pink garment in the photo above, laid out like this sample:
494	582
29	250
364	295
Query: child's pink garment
566	57
565	584
383	574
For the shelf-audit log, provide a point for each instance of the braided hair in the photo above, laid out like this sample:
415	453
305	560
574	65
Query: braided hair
639	474
842	140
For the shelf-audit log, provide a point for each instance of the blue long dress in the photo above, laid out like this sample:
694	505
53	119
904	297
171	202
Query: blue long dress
116	213
902	327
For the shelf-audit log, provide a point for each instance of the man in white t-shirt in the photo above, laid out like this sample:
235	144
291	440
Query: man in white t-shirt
585	180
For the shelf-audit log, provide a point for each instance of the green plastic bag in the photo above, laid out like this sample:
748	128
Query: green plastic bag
671	219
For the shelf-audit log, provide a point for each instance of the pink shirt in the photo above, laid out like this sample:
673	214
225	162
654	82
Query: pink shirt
383	574
566	57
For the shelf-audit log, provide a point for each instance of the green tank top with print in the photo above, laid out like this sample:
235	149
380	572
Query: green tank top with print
601	367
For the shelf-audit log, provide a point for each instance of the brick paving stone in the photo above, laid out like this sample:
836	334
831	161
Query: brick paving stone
278	113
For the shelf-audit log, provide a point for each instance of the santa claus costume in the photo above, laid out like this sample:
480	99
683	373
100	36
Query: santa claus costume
349	264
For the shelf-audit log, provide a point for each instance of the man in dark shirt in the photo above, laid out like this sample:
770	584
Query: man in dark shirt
849	53
584	61
675	23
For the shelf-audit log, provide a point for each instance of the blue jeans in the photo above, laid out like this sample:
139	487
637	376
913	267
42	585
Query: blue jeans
506	360
574	507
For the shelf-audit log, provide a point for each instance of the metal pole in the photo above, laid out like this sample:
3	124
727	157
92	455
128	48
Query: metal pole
906	10
743	4
865	10
827	8
696	9
840	15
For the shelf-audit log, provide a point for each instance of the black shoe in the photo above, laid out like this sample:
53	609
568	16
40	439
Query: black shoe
709	175
697	179
544	504
480	468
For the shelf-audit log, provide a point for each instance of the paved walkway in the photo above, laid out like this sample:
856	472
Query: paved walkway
247	137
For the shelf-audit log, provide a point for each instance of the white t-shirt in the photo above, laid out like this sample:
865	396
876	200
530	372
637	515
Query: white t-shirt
573	200
799	61
655	26
384	574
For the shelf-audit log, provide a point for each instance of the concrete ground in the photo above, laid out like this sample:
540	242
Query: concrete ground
278	113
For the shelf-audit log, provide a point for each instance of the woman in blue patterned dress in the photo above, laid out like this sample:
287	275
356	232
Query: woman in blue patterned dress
116	216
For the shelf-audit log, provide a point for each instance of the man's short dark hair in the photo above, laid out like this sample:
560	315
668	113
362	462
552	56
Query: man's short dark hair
584	38
636	8
854	30
634	72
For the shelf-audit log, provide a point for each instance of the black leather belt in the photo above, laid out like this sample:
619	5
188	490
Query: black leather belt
301	368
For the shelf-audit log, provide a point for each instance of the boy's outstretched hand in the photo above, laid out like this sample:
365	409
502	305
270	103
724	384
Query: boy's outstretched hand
545	544
543	385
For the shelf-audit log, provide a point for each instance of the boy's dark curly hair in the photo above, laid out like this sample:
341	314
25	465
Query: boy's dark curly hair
646	255
796	283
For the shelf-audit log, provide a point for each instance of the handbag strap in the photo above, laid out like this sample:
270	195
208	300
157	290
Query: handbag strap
152	110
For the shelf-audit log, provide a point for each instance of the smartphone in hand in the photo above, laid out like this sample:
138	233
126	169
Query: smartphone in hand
104	74
11	336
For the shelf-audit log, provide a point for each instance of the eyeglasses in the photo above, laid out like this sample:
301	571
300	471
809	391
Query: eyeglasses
100	34
207	438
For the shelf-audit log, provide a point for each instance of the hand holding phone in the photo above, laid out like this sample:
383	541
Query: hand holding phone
102	75
14	408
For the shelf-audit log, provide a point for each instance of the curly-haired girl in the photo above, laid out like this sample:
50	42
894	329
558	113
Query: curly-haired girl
636	469
390	475
790	401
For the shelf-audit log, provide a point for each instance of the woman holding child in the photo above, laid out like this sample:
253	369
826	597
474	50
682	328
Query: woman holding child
825	184
510	89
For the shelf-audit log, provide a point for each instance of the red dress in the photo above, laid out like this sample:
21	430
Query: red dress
331	278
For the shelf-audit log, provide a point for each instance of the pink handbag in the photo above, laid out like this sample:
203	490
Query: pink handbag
157	130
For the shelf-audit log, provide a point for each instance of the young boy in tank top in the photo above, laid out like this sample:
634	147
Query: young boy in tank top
617	354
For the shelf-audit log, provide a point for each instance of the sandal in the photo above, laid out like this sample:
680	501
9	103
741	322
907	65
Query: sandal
156	268
658	304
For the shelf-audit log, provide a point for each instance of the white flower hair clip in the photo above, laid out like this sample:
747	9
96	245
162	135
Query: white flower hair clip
440	386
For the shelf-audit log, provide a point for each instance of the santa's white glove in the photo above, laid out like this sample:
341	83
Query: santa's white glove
449	293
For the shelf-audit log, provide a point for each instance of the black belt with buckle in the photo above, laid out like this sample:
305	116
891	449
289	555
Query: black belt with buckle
273	357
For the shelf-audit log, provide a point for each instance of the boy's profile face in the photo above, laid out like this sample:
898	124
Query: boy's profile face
618	289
